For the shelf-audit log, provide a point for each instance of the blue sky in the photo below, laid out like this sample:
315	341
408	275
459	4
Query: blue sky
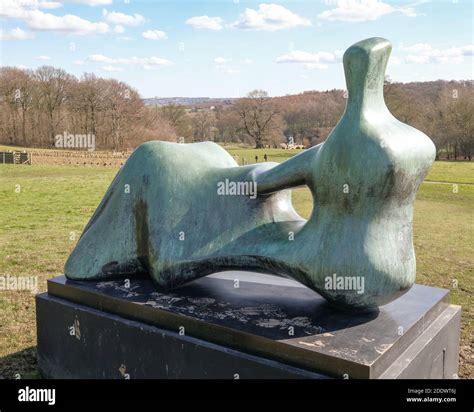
225	48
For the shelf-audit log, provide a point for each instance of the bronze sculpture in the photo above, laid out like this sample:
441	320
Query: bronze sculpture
182	211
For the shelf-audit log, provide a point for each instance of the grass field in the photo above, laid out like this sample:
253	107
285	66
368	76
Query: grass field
44	209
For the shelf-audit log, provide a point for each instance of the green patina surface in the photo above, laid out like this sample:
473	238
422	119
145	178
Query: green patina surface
164	213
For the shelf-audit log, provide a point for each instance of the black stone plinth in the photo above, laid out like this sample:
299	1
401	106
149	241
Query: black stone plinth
239	324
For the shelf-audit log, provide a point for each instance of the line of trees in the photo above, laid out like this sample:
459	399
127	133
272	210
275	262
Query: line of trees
259	120
37	105
444	110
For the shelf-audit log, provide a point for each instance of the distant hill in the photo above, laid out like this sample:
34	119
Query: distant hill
189	101
429	89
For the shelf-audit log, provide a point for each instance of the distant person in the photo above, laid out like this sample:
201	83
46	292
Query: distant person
265	158
256	159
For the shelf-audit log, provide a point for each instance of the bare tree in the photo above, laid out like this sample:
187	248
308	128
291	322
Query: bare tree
15	101
52	85
203	122
260	119
228	128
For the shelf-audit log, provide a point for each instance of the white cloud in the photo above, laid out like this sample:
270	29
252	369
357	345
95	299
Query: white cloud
43	57
147	66
246	61
49	4
317	60
154	35
15	9
222	65
78	62
92	3
423	53
205	22
228	70
269	17
148	63
38	20
111	69
417	48
363	10
99	58
123	19
151	61
119	29
221	60
20	8
417	59
15	34
9	8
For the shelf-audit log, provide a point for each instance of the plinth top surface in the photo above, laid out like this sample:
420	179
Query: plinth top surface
269	316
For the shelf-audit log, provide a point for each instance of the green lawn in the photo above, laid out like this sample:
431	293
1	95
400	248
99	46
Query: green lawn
459	172
54	203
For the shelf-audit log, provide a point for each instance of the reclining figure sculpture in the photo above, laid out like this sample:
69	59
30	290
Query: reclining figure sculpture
165	214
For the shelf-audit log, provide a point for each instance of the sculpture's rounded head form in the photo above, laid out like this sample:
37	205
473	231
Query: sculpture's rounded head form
364	66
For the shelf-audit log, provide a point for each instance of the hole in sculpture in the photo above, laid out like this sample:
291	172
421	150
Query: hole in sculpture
302	200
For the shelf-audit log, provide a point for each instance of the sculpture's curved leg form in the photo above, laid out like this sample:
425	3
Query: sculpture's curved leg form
164	213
